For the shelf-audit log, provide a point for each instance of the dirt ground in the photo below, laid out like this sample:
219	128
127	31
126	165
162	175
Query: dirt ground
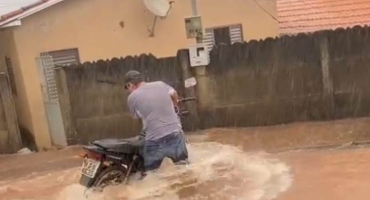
333	170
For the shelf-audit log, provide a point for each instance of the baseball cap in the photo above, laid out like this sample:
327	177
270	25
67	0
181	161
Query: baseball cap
133	76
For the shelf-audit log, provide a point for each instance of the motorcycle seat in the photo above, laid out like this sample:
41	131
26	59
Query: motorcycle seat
128	145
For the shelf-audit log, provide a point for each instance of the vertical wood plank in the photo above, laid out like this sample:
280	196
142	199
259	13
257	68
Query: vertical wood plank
15	142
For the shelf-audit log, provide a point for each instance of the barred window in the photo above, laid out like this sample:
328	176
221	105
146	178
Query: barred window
223	35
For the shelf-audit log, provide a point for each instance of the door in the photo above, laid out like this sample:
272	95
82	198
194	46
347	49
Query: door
47	62
51	102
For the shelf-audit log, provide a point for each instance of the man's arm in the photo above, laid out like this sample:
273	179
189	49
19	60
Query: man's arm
174	97
135	114
173	94
132	107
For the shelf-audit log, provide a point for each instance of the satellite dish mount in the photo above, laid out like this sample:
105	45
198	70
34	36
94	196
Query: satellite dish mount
160	9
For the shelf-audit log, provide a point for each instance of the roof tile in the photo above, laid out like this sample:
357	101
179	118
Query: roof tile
302	16
21	10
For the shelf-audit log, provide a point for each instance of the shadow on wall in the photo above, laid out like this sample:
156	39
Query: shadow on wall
27	139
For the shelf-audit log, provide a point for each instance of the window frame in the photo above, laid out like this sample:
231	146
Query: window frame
209	32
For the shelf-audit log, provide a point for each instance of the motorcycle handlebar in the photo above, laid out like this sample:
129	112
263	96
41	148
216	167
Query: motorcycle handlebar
183	113
187	99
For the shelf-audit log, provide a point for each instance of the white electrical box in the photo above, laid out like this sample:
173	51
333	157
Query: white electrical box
199	55
193	26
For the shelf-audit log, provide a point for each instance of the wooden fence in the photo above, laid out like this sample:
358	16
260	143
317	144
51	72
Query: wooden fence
93	98
321	76
10	140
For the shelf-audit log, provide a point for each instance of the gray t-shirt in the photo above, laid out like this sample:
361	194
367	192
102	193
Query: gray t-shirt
152	103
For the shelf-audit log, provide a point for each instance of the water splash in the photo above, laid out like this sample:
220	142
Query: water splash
217	172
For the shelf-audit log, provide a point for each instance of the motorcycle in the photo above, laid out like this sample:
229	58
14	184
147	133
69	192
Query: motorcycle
114	161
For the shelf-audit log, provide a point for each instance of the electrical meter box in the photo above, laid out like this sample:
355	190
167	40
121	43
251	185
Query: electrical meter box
199	55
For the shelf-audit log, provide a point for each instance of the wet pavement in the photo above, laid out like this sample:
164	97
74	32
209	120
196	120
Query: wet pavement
244	163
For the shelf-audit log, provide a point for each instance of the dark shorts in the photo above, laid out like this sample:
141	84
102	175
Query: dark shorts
172	146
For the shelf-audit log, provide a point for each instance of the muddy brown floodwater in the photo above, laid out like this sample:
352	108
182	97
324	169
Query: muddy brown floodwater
249	163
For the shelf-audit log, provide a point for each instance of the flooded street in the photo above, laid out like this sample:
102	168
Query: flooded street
75	71
217	172
329	174
222	168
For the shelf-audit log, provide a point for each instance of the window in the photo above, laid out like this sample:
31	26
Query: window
9	68
47	63
65	56
223	35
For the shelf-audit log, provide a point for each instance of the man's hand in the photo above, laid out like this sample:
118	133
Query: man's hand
177	109
142	135
175	98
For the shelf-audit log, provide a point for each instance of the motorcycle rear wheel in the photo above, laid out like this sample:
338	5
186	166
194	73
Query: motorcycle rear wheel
109	176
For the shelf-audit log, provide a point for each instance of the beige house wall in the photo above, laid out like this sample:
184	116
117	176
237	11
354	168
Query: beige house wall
93	26
8	47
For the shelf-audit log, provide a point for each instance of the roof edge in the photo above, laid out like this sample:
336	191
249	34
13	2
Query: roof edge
26	11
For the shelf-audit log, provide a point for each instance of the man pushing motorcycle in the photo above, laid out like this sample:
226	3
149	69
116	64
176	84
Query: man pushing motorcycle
155	103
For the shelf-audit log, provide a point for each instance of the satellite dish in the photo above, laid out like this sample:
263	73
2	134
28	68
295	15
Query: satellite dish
159	8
